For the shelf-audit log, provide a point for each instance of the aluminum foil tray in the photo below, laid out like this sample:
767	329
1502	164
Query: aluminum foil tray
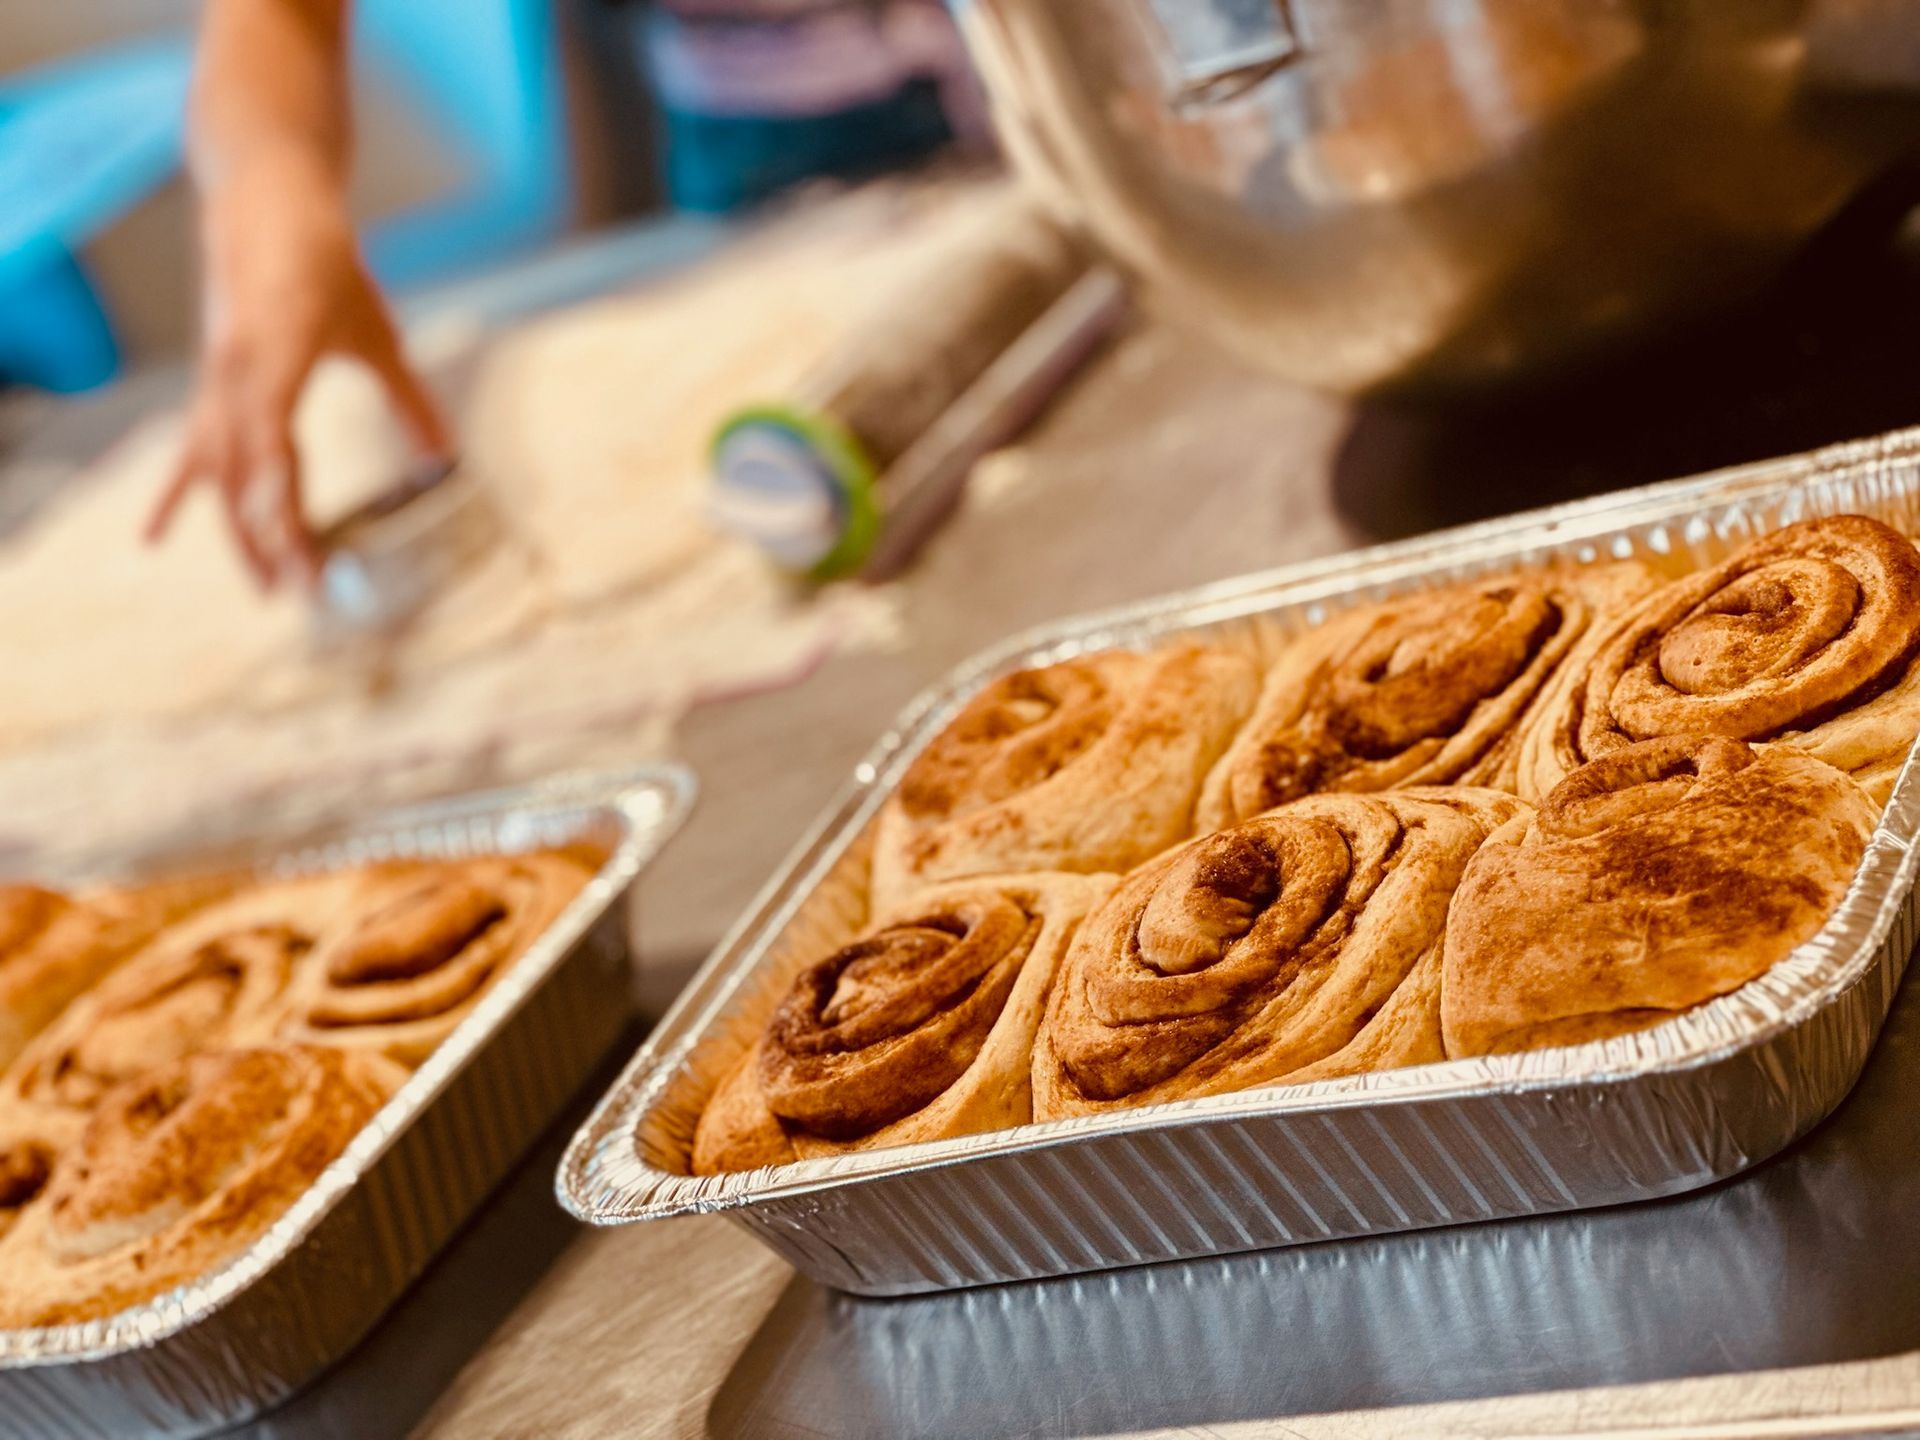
1669	1109
228	1346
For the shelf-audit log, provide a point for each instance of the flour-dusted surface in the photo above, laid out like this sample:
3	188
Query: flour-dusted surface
156	696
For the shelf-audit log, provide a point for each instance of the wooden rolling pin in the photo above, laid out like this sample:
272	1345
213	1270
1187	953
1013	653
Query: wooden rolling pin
872	451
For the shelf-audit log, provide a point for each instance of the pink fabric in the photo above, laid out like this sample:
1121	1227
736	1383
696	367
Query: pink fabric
780	58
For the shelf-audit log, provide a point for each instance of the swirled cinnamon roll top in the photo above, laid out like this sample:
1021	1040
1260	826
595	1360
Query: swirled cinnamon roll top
1258	951
178	1172
423	946
54	946
1087	766
219	979
1809	635
884	1026
921	1028
1420	690
1666	873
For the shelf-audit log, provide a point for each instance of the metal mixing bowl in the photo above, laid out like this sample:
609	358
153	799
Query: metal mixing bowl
1449	194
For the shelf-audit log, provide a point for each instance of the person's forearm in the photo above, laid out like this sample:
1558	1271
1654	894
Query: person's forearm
284	280
270	80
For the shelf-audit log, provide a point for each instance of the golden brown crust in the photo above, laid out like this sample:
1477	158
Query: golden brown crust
32	1139
54	946
884	1026
50	950
1808	635
1089	765
1424	689
178	1172
920	1029
218	979
738	1129
424	944
1405	1031
1664	874
1251	954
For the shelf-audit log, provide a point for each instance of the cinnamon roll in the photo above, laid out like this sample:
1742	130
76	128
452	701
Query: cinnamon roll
1808	635
1404	1031
1086	766
424	945
921	1028
1651	880
220	979
1246	956
177	1173
1425	689
53	946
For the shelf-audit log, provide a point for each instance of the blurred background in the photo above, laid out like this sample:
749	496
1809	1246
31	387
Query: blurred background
501	125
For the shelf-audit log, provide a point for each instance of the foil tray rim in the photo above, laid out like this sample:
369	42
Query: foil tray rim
603	1180
650	801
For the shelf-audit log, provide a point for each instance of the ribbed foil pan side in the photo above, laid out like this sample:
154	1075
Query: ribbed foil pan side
1220	1186
237	1342
1679	1106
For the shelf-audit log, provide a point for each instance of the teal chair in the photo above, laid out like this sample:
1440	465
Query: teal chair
485	77
83	140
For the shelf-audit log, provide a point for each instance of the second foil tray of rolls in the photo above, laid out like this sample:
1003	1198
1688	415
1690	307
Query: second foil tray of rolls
1617	1103
259	1126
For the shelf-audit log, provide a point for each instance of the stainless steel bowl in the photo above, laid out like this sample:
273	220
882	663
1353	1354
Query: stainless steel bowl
1448	194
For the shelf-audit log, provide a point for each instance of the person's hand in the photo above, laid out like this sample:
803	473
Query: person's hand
285	284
